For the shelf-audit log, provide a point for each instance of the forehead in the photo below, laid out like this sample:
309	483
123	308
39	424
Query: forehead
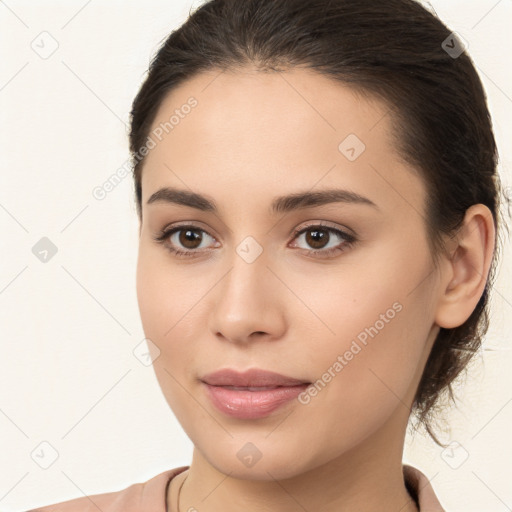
262	131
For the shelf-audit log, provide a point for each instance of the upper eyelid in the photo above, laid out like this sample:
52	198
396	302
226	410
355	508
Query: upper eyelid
323	224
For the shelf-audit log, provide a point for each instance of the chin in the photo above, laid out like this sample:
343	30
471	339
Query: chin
259	459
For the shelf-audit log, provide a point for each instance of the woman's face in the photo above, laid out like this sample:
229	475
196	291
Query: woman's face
356	317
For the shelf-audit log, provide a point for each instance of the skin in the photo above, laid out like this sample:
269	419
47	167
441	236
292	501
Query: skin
252	137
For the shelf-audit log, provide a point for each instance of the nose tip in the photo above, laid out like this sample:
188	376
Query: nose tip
244	308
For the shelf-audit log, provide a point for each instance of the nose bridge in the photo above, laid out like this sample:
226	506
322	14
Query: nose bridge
246	300
245	284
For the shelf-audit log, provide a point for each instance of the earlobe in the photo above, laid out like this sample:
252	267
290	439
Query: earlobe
468	268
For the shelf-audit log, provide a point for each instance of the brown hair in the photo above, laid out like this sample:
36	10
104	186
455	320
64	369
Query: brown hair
395	50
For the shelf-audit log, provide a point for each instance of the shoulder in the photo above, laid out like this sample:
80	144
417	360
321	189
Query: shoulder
139	497
420	486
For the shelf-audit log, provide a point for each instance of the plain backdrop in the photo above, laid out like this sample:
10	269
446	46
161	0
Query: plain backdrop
79	411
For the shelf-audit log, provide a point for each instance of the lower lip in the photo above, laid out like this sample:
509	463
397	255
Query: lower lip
251	404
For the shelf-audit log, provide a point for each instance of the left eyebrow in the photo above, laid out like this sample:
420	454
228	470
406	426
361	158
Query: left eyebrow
281	204
309	199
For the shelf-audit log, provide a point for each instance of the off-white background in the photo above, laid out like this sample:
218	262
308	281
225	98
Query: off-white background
69	327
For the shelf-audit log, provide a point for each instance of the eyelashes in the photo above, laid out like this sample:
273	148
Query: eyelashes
191	234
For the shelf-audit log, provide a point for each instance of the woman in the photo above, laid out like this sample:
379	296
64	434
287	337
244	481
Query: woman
318	201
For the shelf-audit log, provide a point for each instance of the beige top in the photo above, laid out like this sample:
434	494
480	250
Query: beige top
150	496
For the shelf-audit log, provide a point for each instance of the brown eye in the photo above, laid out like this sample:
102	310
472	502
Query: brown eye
323	240
185	240
189	238
317	238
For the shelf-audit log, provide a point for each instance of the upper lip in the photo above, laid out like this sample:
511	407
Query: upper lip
254	377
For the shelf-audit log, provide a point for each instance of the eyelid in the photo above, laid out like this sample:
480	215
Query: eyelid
185	224
324	224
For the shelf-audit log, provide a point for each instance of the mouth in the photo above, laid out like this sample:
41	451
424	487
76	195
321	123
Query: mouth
252	394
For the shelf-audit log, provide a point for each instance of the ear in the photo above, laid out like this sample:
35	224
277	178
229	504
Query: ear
465	272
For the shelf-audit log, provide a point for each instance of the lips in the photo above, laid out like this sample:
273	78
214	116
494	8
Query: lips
253	379
252	394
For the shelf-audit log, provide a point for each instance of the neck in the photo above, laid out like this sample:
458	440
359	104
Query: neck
367	478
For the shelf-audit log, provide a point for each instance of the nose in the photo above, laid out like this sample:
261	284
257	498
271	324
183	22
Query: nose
248	303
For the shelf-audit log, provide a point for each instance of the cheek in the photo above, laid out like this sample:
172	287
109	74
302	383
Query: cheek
163	313
364	378
160	294
379	321
374	334
160	313
169	307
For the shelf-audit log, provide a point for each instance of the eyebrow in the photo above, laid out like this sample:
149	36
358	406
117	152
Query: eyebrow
282	204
